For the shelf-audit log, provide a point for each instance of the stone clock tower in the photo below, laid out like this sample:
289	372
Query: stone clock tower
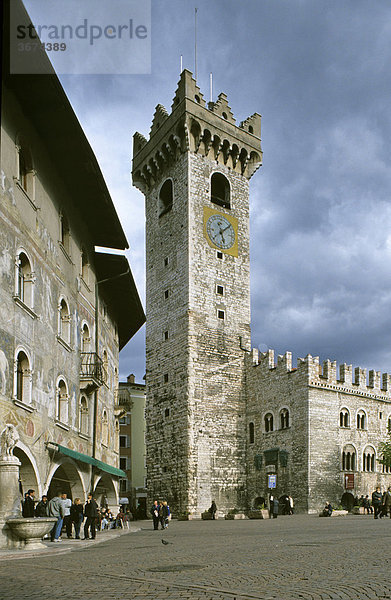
194	171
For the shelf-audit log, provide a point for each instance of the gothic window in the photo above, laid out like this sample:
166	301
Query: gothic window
349	458
344	418
24	279
368	459
361	420
23	377
83	415
85	339
251	432
284	418
64	321
166	196
268	422
220	190
62	408
105	428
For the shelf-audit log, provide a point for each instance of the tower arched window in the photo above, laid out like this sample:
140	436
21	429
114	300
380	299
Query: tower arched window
166	196
220	190
344	418
62	402
268	422
64	321
23	378
361	420
284	418
24	279
83	415
368	459
251	432
349	458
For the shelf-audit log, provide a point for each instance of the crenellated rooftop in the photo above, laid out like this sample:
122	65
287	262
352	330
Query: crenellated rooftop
326	375
192	126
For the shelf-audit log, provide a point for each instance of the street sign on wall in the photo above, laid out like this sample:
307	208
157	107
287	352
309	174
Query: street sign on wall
272	481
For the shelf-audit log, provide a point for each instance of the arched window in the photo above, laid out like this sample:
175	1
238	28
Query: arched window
105	428
284	418
344	418
166	196
24	279
251	432
361	420
268	422
85	339
368	459
65	235
62	402
25	169
83	415
23	378
84	266
220	190
349	458
64	321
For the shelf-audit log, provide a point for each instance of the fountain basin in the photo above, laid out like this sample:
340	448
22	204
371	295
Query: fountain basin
31	530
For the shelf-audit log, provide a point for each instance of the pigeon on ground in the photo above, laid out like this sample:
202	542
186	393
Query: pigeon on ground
165	542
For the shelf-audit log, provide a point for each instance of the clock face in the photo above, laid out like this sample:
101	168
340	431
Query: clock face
220	231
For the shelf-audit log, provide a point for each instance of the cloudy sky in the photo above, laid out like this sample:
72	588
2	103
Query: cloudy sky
319	72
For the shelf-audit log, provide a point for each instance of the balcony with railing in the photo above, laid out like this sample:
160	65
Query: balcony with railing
123	402
92	372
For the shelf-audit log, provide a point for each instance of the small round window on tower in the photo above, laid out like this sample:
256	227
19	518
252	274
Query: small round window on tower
225	116
197	98
251	129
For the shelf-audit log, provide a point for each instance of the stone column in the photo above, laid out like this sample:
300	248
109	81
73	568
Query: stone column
9	483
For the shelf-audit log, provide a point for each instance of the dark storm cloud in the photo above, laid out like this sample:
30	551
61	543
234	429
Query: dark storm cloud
319	73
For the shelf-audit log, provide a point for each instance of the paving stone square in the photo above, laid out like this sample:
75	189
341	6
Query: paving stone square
289	558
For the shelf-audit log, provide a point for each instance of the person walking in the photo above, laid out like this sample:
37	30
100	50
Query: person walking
275	508
91	512
56	509
155	512
29	504
387	503
77	516
165	514
42	508
213	510
377	502
290	505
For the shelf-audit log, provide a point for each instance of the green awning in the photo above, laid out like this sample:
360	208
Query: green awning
88	459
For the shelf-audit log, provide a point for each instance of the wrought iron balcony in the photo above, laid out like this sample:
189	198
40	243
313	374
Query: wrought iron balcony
92	372
123	402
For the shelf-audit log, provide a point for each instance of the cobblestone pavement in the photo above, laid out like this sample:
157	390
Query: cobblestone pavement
298	557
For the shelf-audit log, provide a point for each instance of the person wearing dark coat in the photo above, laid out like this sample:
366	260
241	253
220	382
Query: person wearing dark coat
42	508
213	510
91	512
275	508
77	516
377	502
155	512
28	505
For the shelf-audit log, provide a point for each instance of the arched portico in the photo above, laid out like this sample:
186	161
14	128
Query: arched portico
105	492
28	470
65	477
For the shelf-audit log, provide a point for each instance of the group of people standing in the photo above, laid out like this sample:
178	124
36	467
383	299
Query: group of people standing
160	514
68	514
381	503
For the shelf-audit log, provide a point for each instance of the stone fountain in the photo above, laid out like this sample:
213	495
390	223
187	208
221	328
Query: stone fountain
16	531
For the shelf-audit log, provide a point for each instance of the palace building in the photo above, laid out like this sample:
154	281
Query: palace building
224	422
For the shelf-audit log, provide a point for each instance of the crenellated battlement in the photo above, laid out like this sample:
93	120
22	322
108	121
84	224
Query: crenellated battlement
210	131
327	375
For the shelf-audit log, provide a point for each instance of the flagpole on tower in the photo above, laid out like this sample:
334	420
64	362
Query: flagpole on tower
195	43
